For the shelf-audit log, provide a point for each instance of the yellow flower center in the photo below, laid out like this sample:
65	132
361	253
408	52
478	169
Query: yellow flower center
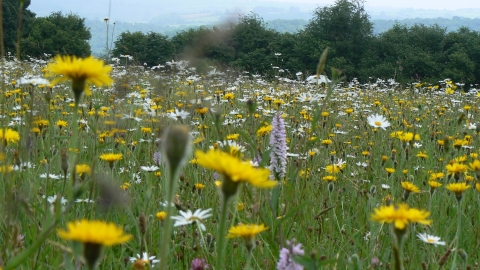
194	219
378	124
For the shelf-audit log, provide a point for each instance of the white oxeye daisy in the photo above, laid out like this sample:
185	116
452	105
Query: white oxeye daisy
178	114
188	217
147	260
378	121
149	168
430	239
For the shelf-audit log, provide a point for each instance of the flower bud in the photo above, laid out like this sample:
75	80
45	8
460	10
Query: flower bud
176	147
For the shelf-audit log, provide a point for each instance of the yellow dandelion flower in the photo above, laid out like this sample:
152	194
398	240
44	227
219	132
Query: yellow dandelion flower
400	215
94	232
146	130
469	178
202	111
193	161
6	168
349	111
434	184
456	168
9	135
422	155
410	187
246	231
459	159
434	176
390	170
334	168
35	130
329	178
264	130
240	206
125	185
229	96
408	136
475	165
234	169
94	235
199	186
458	188
233	136
326	142
62	124
83	169
162	215
40	123
81	71
111	157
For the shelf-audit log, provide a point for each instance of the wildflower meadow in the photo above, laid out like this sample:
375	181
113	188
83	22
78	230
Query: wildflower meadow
108	166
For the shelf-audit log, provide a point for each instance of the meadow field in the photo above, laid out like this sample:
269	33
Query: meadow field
109	166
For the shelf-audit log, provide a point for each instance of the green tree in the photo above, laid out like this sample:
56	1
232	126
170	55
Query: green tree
251	40
151	48
406	54
11	11
284	44
57	34
461	48
345	27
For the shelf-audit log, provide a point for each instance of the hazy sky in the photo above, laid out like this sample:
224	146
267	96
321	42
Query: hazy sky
426	4
144	10
416	4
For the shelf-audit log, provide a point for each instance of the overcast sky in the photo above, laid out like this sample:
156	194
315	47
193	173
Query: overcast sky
416	4
144	10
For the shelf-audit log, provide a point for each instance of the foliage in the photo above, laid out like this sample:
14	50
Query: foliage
57	34
405	53
11	11
151	48
345	28
451	24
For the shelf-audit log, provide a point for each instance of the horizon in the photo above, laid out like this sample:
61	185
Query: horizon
127	11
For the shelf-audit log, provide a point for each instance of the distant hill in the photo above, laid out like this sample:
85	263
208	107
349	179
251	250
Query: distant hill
179	23
451	24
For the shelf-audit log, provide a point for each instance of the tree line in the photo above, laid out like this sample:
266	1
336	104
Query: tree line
54	34
405	53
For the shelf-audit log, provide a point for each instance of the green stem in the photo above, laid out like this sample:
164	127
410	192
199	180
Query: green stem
398	248
397	251
457	236
221	235
167	229
249	259
74	144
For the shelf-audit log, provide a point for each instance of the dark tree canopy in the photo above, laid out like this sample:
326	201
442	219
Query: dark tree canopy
345	28
151	48
11	11
57	34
